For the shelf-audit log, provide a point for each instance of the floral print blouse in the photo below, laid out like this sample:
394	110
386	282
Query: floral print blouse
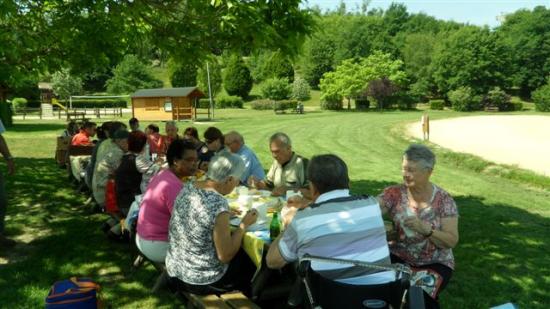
417	249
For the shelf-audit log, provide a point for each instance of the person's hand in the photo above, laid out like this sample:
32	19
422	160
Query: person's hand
287	214
417	225
11	166
249	219
254	182
297	201
279	191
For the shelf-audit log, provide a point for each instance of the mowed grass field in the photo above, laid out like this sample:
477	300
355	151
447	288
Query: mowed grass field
504	221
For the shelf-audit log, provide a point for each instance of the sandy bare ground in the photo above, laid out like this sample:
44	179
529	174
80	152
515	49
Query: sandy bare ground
507	139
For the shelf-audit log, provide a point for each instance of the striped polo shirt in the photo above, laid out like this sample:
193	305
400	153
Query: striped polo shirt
340	226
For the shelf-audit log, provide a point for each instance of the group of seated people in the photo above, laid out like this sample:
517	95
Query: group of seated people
183	219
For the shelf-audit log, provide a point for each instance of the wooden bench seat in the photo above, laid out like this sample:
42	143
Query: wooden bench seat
233	300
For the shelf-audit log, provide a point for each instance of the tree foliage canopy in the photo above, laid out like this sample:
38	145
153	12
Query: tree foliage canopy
130	75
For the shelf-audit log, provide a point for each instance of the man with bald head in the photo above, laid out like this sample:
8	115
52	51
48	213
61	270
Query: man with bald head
235	143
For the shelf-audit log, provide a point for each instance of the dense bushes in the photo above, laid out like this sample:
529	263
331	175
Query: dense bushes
276	89
264	104
464	99
331	102
300	90
437	104
184	75
228	101
205	103
237	78
362	103
284	105
541	97
6	114
19	104
99	103
497	97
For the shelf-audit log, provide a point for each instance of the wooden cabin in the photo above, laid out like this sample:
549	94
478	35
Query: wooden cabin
165	103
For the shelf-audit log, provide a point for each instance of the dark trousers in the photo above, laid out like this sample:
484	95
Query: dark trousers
445	272
237	277
3	203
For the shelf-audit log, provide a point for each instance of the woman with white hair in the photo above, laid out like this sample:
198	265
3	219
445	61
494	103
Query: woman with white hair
204	255
426	219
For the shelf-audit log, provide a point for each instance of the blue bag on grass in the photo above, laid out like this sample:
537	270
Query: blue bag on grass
77	293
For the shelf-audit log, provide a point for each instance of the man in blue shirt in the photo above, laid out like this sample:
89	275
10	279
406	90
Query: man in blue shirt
235	143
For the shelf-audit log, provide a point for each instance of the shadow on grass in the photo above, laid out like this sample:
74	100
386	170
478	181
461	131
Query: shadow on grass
502	256
370	187
58	238
36	127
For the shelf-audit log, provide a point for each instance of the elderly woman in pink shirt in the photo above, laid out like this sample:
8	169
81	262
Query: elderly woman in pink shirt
158	200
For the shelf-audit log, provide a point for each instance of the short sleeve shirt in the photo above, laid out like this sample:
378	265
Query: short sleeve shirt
291	174
81	139
418	250
157	206
192	256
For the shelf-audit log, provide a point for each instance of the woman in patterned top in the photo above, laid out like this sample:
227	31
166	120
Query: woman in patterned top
426	219
204	256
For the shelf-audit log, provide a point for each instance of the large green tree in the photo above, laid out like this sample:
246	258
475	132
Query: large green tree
92	36
130	75
527	34
470	57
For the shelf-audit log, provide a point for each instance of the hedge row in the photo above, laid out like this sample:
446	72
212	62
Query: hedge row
78	103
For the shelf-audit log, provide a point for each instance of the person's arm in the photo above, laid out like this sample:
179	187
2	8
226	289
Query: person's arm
7	156
446	238
228	243
382	205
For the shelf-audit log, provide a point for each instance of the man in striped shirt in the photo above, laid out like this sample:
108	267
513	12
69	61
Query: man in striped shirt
336	225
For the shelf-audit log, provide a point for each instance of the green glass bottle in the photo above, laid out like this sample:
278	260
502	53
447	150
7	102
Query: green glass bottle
274	227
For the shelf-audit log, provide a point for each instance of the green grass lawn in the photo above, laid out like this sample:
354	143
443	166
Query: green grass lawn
504	222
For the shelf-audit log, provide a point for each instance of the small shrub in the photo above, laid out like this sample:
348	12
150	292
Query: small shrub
229	102
284	105
362	103
19	104
205	103
264	104
331	102
437	104
276	89
541	97
463	99
497	97
517	106
301	90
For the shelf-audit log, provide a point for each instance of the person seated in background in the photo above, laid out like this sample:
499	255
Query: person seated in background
214	140
108	163
154	140
171	130
191	134
127	176
204	255
134	124
252	166
288	171
83	138
426	219
102	134
158	200
71	130
336	225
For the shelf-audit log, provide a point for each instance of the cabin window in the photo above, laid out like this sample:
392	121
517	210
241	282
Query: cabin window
168	104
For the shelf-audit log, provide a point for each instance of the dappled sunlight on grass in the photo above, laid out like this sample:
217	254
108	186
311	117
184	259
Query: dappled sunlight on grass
504	223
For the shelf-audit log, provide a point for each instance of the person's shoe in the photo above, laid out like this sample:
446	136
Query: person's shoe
6	242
